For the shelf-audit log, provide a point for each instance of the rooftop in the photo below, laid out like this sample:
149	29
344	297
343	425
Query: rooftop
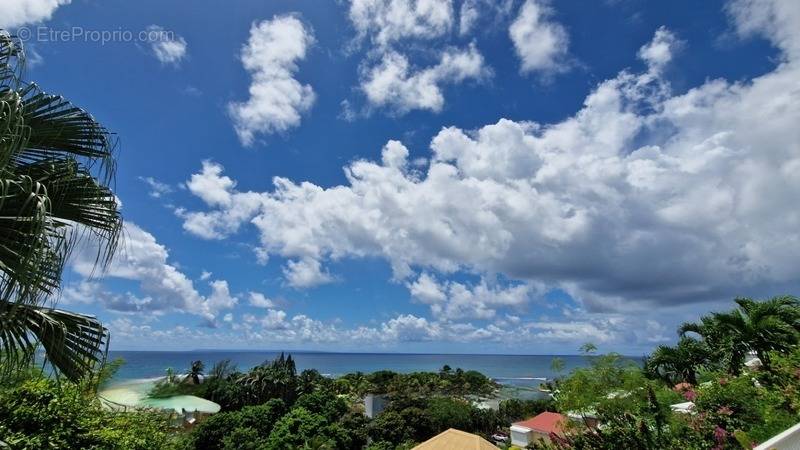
546	422
453	439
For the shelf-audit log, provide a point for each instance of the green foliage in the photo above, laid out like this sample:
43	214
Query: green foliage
39	414
733	409
759	326
424	384
446	412
211	433
731	403
513	410
296	428
245	438
679	364
610	383
56	164
356	425
275	379
389	426
311	380
325	403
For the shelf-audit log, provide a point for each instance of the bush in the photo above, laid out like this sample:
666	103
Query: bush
295	429
40	413
242	439
324	403
211	434
389	426
446	412
731	403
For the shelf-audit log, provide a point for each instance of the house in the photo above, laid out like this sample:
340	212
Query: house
683	408
588	418
453	439
374	404
537	428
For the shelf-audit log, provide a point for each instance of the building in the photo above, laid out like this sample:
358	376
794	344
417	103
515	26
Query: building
537	428
683	408
374	404
453	439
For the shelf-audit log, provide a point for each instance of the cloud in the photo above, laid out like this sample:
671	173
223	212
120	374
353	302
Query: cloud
15	13
258	300
389	21
393	83
777	20
276	327
305	273
642	197
217	190
157	188
540	43
142	259
453	300
274	320
468	15
389	78
168	47
277	100
658	53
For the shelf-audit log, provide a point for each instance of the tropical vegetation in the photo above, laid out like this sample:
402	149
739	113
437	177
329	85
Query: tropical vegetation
56	167
734	405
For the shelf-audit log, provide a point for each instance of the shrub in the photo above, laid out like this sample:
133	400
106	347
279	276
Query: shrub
295	429
40	413
242	439
325	403
211	434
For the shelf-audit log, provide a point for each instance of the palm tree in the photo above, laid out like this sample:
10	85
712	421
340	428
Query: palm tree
196	371
680	363
762	327
56	166
724	351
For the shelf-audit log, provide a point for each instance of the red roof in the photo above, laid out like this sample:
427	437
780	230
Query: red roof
546	422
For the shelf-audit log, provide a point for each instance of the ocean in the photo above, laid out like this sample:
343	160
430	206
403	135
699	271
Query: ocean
524	372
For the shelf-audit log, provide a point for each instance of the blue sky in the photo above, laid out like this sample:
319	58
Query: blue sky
468	176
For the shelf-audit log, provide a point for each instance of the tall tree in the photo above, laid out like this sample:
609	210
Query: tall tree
758	326
680	363
770	325
56	167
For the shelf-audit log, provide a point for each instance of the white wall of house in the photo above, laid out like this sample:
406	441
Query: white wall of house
520	436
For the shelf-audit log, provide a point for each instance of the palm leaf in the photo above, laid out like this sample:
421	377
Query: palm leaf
74	343
56	168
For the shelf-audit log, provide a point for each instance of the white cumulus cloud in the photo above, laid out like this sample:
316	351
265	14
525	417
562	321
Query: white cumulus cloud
277	100
14	13
142	259
395	84
641	197
388	21
168	47
541	44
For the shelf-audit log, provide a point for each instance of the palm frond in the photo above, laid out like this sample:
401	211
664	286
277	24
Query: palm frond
11	61
74	343
56	172
57	129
